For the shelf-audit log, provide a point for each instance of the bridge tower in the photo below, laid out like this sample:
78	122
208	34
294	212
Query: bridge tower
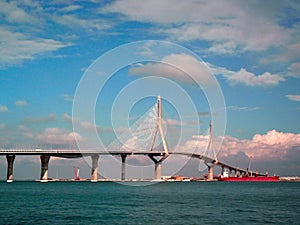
159	128
210	163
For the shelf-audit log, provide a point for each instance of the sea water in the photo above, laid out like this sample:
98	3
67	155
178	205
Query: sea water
161	203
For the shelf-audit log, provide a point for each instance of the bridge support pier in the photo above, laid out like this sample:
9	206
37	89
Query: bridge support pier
10	167
157	170
94	173
158	165
210	175
236	173
44	167
123	156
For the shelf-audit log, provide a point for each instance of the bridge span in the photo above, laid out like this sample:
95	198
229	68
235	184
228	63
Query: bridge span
156	156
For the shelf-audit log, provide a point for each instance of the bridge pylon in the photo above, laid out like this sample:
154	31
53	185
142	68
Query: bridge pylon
159	128
210	163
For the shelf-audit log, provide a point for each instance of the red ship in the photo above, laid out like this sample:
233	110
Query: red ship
247	178
250	179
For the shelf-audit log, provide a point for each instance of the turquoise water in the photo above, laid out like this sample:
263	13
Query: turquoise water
163	203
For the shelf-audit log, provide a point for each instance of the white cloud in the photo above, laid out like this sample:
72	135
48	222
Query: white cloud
72	21
243	108
294	68
245	77
57	136
67	118
228	25
2	126
174	122
89	127
175	66
250	79
290	52
21	103
84	125
70	8
3	108
15	14
18	47
273	145
185	64
294	97
199	142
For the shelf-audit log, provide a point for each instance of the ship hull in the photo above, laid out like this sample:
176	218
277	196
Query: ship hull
250	179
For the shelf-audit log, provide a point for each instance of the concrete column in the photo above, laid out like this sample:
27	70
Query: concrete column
10	167
44	167
210	175
123	156
157	171
94	174
158	165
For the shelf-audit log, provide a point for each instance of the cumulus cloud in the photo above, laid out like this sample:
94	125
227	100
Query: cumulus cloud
294	97
250	79
58	136
3	108
228	25
21	103
186	64
180	67
273	145
247	78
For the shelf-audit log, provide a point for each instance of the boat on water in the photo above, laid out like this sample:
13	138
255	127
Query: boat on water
247	178
250	179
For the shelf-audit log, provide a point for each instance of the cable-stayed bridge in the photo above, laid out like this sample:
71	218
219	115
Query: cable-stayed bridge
143	140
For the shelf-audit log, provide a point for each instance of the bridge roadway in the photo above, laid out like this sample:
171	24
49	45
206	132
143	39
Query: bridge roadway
45	155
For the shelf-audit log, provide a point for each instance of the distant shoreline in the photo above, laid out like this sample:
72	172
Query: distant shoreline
282	179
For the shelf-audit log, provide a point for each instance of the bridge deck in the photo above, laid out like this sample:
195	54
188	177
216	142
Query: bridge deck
75	153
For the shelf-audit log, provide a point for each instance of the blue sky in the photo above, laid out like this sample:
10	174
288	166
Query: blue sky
252	49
